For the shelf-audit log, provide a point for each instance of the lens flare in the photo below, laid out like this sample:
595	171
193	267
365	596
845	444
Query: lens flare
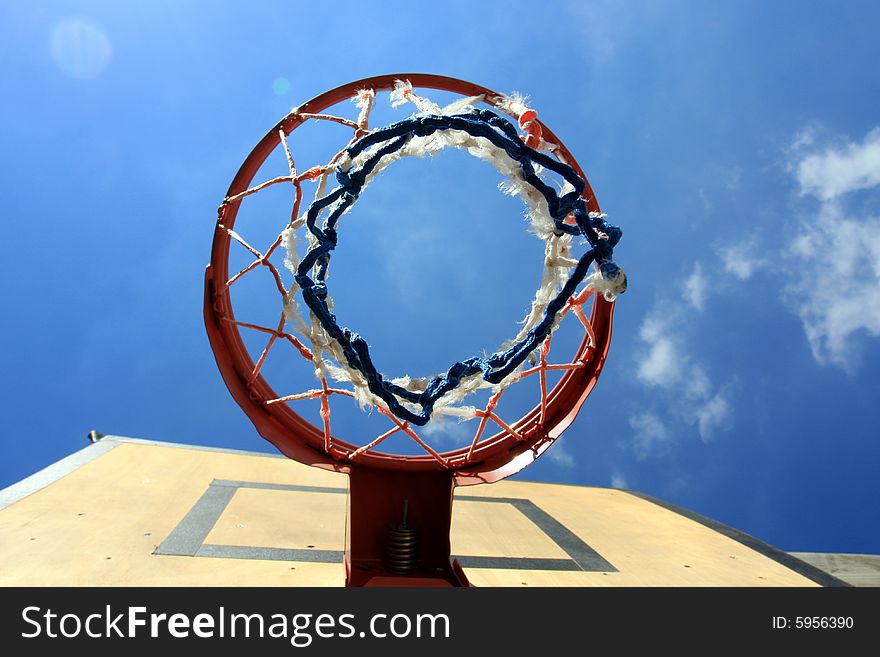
79	48
280	86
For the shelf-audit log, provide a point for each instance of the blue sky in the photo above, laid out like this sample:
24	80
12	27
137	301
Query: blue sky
737	144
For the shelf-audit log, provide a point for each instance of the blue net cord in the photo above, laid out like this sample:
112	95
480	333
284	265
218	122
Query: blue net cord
495	368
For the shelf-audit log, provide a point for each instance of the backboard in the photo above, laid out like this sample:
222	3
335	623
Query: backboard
128	512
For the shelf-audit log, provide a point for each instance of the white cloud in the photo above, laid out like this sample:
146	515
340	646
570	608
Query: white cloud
651	434
618	481
661	366
706	200
712	415
560	456
829	266
837	171
609	27
830	277
803	139
696	288
685	391
833	261
700	404
447	431
604	25
740	259
697	386
835	289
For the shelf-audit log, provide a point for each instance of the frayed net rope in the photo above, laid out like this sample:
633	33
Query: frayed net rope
488	136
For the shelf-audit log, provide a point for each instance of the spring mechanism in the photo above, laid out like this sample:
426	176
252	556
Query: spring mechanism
402	546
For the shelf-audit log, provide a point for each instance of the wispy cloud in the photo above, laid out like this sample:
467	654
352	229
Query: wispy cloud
448	431
726	179
618	480
558	454
741	259
834	259
605	25
707	407
839	298
696	288
417	254
661	365
835	171
712	415
650	435
827	270
686	396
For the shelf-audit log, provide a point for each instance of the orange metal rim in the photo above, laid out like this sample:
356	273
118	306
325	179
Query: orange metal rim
495	457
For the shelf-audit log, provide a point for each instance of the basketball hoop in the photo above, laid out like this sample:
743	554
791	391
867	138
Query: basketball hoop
411	494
